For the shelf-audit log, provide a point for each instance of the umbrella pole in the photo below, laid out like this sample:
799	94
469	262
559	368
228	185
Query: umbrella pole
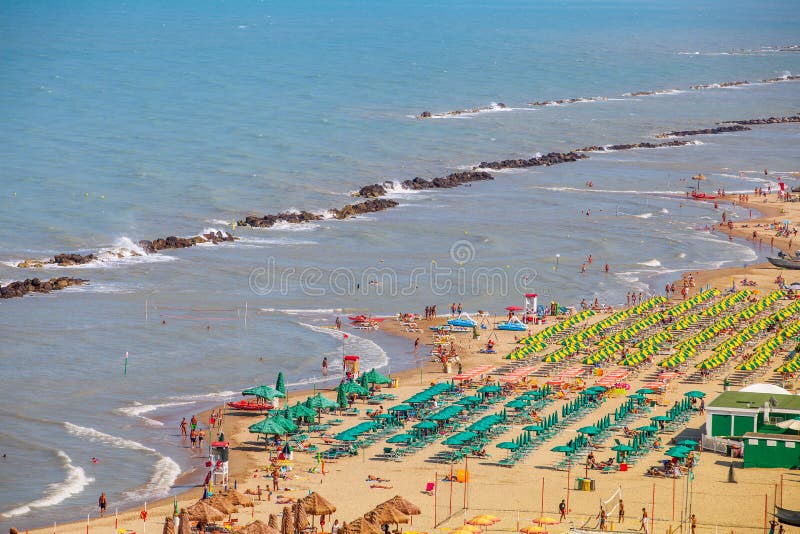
435	493
568	476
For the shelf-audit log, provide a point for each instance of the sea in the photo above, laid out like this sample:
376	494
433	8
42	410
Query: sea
122	121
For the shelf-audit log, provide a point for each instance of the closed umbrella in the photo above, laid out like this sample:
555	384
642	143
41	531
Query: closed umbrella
184	523
273	522
287	523
279	383
300	517
169	526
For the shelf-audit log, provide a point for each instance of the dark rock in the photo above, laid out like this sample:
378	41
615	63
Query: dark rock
371	191
768	120
723	84
553	158
633	145
370	206
66	260
447	182
705	131
425	115
35	285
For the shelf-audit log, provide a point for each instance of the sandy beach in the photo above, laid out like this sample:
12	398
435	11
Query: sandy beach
520	493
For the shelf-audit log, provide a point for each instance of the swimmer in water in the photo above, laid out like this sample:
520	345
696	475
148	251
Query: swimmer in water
94	460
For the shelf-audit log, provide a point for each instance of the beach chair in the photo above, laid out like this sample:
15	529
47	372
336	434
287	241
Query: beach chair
429	488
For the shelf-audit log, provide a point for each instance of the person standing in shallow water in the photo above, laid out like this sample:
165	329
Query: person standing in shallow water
325	366
102	502
183	427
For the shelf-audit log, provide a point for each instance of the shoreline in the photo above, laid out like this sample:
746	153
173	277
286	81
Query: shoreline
245	460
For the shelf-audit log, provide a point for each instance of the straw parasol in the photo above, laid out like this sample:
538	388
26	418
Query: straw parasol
386	513
203	513
273	522
237	498
169	526
287	524
300	517
316	504
184	526
222	504
405	506
257	527
360	526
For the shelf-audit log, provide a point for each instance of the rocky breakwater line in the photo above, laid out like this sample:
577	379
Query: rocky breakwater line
34	285
631	146
457	112
719	85
705	131
300	217
567	101
768	120
553	158
146	246
443	182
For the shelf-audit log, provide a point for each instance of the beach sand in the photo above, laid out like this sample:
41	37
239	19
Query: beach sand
514	494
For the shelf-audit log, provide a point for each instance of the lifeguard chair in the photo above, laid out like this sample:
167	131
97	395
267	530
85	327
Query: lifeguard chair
351	365
219	463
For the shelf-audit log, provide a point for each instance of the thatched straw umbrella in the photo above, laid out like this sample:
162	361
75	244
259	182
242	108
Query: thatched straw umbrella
222	504
315	504
257	527
238	498
203	513
273	522
386	513
300	517
360	526
405	506
287	523
184	525
169	526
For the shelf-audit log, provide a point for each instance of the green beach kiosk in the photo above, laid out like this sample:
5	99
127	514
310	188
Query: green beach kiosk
735	413
772	450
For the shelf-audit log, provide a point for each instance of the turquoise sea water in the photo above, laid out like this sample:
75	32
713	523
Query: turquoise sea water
124	121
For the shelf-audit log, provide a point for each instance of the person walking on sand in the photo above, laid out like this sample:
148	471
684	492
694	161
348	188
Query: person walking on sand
602	516
102	502
562	509
183	427
325	366
694	524
200	436
772	525
275	477
644	522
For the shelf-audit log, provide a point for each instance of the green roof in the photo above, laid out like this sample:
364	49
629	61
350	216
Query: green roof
738	399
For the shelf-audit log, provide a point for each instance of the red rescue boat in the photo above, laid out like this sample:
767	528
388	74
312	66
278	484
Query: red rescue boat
251	406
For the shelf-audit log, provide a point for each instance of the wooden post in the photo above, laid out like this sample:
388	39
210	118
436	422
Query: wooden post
673	497
568	476
781	490
653	510
542	515
466	482
450	512
435	493
765	513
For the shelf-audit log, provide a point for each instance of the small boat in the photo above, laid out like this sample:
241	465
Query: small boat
250	406
785	261
362	318
702	196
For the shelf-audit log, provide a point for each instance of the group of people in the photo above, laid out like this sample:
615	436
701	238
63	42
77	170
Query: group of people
196	435
454	309
430	312
631	298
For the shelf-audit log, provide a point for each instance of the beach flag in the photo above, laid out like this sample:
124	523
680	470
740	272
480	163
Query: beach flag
125	365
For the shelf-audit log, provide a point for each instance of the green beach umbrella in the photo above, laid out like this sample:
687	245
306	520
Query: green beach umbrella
648	428
353	388
318	402
645	391
279	384
589	430
400	438
268	427
374	377
341	399
426	425
533	428
694	394
561	448
509	445
517	403
301	411
263	392
661	418
622	448
401	408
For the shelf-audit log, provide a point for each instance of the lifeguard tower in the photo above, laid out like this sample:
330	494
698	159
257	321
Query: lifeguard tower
350	364
219	463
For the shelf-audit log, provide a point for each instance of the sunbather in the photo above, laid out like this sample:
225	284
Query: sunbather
373	478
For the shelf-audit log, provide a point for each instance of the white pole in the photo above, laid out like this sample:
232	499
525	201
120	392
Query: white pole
144	519
245	314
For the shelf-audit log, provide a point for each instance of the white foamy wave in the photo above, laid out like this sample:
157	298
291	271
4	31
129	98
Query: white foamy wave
372	355
205	396
644	215
221	222
257	242
289	311
285	226
165	472
74	483
138	409
611	191
651	263
493	107
95	436
664	210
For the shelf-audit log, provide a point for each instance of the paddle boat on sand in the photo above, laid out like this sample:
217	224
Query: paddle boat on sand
463	320
513	324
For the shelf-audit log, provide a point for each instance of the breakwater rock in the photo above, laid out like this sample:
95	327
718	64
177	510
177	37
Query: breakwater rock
553	158
443	182
705	131
35	285
768	120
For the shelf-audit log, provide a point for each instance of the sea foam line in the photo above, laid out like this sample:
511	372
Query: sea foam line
74	483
